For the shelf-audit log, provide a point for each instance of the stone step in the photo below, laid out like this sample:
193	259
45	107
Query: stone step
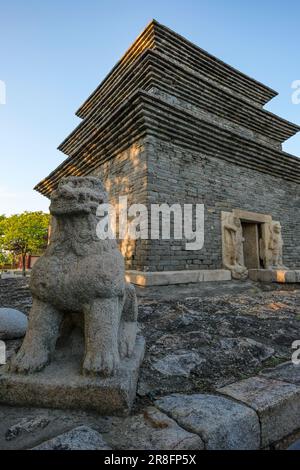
282	276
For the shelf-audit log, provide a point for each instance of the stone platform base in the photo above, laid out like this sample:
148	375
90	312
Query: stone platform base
61	385
275	275
163	278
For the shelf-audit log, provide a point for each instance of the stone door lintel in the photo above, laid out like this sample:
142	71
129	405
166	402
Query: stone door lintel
246	216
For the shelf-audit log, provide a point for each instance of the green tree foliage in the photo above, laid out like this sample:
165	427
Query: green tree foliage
24	234
6	258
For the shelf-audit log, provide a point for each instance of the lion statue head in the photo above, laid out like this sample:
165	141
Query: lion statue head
75	195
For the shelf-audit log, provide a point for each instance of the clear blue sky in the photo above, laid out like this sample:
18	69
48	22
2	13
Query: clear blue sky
55	52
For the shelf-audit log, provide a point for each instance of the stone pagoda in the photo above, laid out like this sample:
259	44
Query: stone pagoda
173	124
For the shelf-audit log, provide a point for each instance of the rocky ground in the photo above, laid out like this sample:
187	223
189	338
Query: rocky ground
199	338
202	343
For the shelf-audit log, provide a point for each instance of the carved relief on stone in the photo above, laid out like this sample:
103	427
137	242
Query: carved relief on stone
232	239
275	246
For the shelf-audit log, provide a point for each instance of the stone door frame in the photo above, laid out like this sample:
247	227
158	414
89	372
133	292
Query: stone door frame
265	221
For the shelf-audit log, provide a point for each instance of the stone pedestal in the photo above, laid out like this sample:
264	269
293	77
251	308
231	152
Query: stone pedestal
165	278
62	385
282	276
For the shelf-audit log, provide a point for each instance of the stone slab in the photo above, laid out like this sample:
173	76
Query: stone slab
287	372
221	423
277	404
162	278
81	438
281	276
61	385
152	430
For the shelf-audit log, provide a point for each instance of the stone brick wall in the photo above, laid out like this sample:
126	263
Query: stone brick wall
126	175
153	171
179	175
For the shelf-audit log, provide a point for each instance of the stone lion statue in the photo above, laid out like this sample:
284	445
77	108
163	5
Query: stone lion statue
79	274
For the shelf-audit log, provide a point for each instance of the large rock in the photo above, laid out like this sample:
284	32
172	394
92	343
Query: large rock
81	438
152	430
13	324
221	423
277	404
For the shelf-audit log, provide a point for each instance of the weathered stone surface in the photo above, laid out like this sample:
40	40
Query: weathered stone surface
277	403
81	438
26	425
221	423
180	364
287	372
13	324
152	430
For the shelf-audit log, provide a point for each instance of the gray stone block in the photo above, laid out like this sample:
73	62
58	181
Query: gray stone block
277	404
221	423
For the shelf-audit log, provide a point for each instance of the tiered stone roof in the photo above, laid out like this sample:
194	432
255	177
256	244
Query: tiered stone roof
165	86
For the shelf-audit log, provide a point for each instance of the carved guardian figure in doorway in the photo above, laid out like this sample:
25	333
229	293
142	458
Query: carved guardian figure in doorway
233	253
275	246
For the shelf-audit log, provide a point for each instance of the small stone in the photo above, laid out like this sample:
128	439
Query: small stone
277	404
180	364
13	324
221	423
26	425
80	438
152	430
